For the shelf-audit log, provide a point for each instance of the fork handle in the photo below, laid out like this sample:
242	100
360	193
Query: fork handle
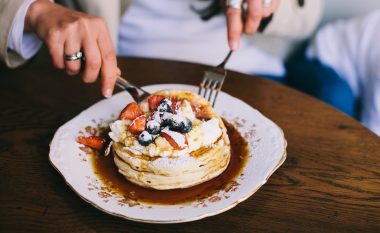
225	60
123	83
132	89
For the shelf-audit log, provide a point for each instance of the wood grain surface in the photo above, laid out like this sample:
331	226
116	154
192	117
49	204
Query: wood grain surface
330	181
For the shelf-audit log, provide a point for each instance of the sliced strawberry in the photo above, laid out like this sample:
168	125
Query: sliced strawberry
94	142
138	125
130	112
177	140
154	101
175	106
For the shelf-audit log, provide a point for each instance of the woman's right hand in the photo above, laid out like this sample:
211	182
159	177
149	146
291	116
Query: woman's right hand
66	32
255	13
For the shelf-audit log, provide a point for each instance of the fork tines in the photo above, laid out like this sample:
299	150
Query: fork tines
213	81
211	84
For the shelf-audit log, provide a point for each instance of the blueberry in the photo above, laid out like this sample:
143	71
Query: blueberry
175	123
153	127
166	123
185	126
167	119
145	138
165	105
179	124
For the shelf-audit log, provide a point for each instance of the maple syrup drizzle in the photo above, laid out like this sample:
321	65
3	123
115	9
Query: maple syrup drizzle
107	172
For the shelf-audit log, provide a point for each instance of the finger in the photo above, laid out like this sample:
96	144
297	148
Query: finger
72	46
109	69
275	5
267	11
54	43
254	16
234	27
93	59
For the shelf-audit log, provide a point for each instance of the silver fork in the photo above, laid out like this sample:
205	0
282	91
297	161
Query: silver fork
137	93
213	81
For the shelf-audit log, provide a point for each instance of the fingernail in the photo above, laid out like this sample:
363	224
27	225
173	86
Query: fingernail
234	45
108	93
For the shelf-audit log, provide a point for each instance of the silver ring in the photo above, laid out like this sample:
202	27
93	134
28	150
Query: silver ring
74	57
234	3
267	3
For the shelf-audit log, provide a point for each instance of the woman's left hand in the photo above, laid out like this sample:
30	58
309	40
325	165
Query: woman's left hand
236	25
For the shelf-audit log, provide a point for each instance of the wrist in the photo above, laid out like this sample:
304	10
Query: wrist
34	11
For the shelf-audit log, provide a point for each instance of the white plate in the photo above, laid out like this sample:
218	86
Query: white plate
267	151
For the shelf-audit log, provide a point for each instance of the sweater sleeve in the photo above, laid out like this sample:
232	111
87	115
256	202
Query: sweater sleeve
8	12
295	19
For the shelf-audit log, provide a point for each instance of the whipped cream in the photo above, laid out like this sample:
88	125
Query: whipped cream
179	138
203	133
186	110
118	130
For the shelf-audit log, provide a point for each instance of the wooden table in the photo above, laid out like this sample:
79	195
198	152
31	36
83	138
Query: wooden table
330	181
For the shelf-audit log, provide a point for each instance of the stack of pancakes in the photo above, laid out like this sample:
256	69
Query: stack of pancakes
160	165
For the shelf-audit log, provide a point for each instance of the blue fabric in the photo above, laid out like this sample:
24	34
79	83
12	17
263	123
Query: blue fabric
280	79
322	82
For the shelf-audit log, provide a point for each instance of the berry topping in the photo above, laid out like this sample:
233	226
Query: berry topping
130	112
175	106
154	101
166	118
185	126
145	138
153	127
94	142
176	123
137	125
165	105
156	116
176	140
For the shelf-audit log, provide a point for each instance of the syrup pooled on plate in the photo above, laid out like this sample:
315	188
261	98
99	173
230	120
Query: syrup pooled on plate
107	172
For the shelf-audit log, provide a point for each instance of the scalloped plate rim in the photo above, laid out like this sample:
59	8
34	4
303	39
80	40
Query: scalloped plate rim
199	217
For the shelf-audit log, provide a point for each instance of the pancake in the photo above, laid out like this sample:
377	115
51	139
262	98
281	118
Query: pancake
173	139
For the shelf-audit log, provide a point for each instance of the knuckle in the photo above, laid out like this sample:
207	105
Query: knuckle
84	24
69	26
52	35
75	24
256	15
93	64
109	56
82	21
233	12
98	21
